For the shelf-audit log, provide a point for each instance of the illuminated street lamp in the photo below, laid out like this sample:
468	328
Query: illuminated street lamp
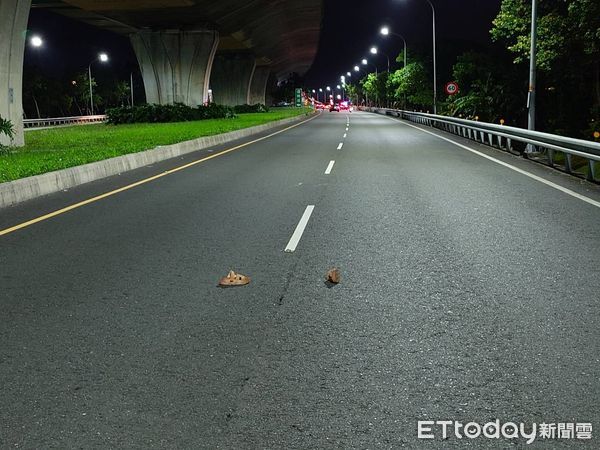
375	51
36	41
102	57
385	31
365	63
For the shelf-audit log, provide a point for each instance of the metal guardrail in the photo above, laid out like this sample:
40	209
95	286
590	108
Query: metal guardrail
500	136
61	121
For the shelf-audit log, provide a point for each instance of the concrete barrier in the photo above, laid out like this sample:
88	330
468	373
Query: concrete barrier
18	191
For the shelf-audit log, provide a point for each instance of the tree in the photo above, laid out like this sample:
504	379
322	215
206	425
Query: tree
411	82
486	88
568	58
122	93
81	87
513	26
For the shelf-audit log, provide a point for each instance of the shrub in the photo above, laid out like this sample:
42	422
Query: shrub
6	128
245	109
167	113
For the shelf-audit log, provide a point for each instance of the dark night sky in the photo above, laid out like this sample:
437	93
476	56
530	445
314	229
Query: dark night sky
350	27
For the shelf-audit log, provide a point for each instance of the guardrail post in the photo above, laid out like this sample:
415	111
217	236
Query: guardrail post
568	165
551	157
591	175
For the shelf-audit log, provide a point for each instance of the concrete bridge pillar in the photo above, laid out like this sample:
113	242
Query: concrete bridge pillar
13	27
231	77
176	65
258	86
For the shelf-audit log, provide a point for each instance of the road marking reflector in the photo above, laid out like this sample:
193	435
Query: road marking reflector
295	239
329	167
345	134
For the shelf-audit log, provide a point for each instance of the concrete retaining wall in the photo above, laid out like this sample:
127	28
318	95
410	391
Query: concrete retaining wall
24	189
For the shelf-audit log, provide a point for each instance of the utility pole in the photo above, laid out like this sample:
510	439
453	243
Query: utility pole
532	73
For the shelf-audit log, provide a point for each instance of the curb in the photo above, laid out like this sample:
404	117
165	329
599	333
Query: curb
13	192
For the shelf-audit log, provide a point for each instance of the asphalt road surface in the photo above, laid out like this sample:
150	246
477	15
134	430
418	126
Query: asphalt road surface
469	292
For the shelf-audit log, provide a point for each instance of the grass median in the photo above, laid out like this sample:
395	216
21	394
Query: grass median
61	148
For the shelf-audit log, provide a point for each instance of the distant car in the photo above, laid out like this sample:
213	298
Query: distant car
334	107
283	104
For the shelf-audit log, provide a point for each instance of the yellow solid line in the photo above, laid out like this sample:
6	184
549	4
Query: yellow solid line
139	183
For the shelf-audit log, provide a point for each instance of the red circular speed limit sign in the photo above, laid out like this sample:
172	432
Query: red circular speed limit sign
451	88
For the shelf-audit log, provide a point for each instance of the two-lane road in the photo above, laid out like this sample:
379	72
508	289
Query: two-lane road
469	292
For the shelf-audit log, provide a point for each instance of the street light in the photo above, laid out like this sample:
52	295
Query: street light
385	31
365	62
434	59
102	57
36	41
375	51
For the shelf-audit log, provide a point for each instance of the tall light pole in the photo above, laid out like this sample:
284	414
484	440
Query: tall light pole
434	60
385	31
532	72
103	57
375	51
320	90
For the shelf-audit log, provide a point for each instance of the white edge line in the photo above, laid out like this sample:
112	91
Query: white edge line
329	168
295	239
509	166
345	134
340	146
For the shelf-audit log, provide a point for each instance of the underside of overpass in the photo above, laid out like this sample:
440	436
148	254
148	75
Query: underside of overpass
177	42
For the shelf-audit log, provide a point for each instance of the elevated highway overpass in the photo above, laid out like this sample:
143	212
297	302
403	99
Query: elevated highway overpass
184	47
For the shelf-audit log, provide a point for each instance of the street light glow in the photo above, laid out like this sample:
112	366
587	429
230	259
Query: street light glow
36	41
338	86
356	68
103	57
348	74
328	88
374	50
365	62
385	31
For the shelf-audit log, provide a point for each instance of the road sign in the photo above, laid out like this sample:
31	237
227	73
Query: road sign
298	97
451	88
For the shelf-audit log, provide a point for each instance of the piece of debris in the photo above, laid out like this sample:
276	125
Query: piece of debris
333	276
234	279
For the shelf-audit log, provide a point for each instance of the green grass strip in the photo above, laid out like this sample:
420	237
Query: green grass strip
61	148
